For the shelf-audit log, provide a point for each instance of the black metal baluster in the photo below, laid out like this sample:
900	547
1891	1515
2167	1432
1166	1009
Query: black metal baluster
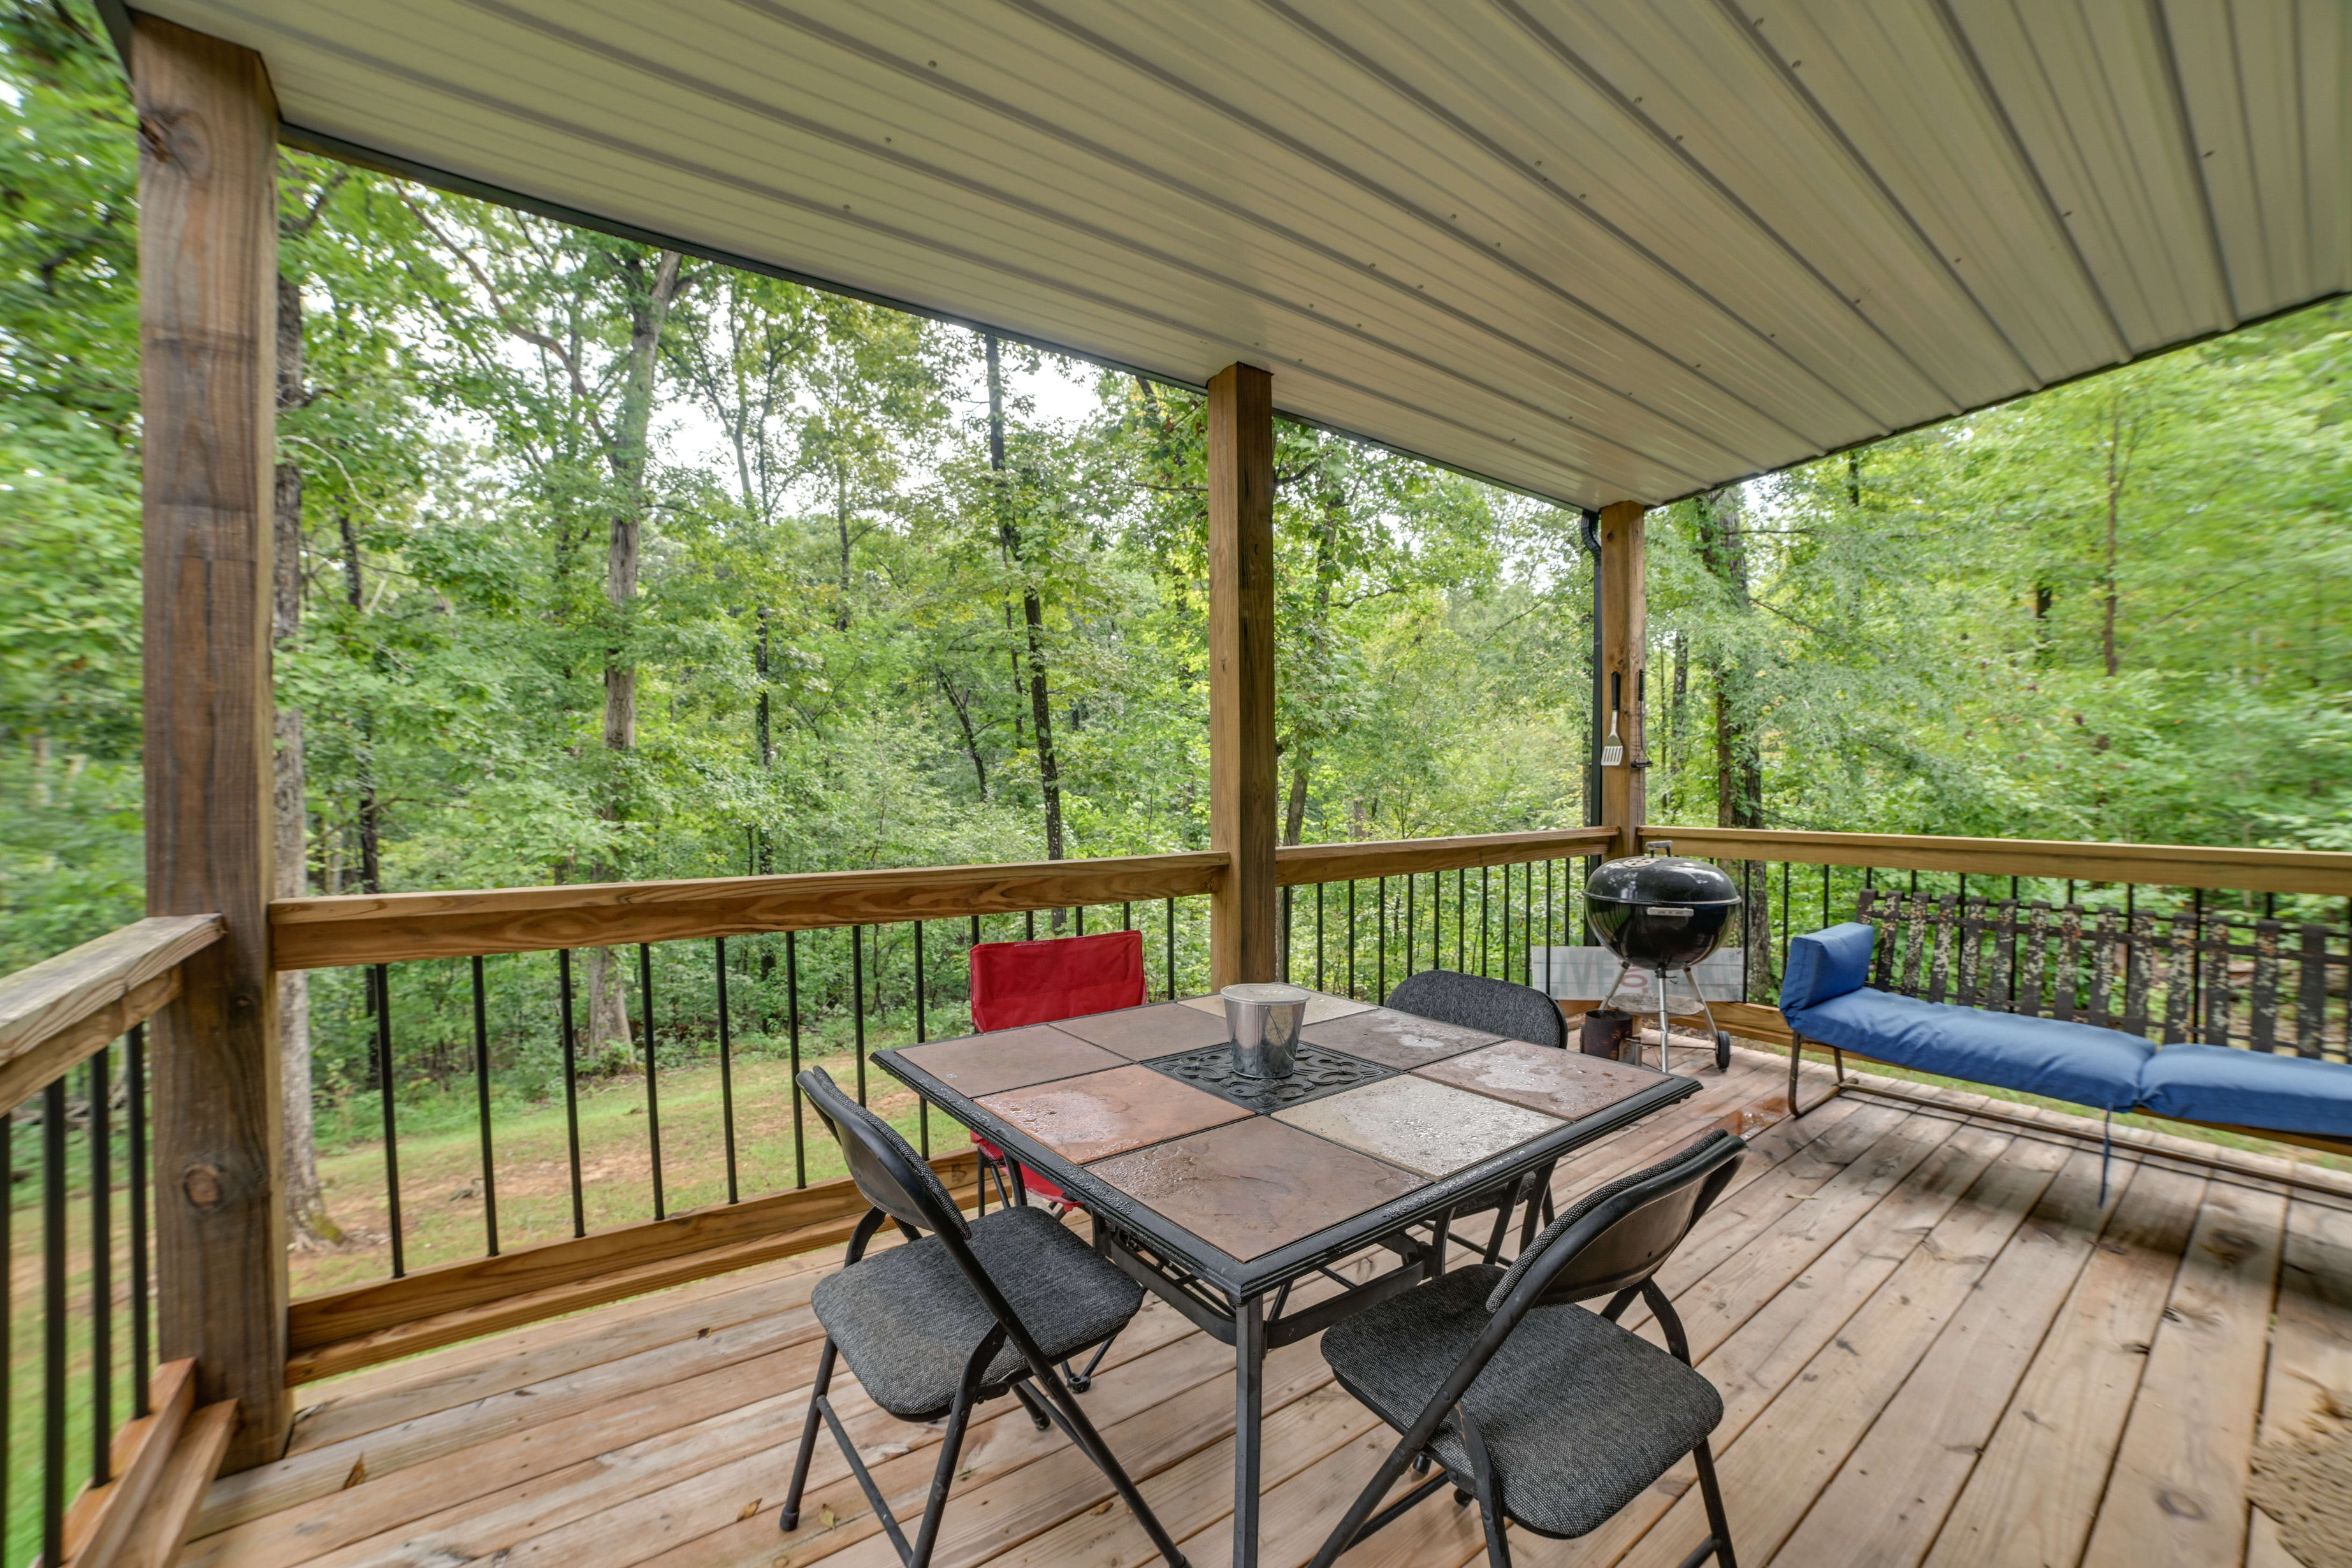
1483	920
1172	950
653	1094
1409	880
1352	939
857	997
482	1111
922	1106
1552	908
1437	920
1126	915
793	1025
53	1324
1319	936
1029	925
1461	914
1286	935
1825	897
1380	938
726	1073
101	1272
571	1087
136	1178
1081	921
391	1131
1784	911
1528	923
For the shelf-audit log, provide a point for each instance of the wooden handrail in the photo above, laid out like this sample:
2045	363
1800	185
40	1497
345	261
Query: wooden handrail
1306	864
2149	865
318	934
64	1009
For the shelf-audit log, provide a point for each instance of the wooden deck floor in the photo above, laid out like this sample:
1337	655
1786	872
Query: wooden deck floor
1933	1345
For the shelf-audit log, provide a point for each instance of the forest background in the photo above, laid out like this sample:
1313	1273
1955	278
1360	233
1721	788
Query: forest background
598	561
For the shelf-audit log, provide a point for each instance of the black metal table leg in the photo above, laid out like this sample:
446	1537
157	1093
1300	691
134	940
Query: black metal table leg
1249	1400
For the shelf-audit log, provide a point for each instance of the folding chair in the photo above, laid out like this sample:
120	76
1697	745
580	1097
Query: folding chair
972	1310
1549	1415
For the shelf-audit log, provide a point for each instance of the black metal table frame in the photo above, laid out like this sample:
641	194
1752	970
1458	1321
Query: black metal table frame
1191	1276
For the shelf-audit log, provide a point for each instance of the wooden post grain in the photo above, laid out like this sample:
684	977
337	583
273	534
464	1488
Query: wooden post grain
1244	934
208	272
1624	641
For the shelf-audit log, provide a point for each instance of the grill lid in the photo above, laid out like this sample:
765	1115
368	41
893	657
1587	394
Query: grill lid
1661	880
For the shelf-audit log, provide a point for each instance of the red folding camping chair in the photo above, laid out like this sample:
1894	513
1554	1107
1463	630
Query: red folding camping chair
1018	983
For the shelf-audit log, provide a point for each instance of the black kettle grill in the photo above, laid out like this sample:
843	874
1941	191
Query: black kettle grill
1663	913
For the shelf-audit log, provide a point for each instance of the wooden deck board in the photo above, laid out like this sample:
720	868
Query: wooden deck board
1935	1347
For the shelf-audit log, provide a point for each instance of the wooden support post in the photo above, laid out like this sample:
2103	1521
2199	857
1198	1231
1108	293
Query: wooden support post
1244	930
209	300
1624	641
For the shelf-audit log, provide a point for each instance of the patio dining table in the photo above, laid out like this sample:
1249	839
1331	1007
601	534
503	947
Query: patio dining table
1219	1193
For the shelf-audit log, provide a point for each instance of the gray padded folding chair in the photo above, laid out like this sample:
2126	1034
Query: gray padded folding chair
1516	1013
1548	1415
972	1310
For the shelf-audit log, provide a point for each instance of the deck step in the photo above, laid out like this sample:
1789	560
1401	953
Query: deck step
102	1518
162	1527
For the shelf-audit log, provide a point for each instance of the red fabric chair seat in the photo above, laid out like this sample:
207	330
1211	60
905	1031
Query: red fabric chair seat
1019	983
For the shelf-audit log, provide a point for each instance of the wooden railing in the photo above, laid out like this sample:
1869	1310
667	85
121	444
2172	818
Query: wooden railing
143	1479
2185	942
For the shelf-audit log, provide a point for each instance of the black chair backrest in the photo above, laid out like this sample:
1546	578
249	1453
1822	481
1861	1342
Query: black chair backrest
1615	1237
891	1176
1475	1002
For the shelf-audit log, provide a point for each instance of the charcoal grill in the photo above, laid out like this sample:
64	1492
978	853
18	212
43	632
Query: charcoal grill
1663	914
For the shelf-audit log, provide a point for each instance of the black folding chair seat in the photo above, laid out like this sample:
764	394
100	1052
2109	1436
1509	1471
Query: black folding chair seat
1550	1416
1578	1413
906	1320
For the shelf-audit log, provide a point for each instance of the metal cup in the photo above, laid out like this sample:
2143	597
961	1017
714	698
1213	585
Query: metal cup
1262	1019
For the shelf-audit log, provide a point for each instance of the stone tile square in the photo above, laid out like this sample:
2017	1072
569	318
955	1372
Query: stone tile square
1251	1187
1325	1005
1008	1058
1566	1084
1432	1128
1106	1113
1395	1040
1163	1029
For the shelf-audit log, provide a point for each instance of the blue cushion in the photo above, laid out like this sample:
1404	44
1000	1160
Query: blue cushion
1826	963
2077	1062
2249	1089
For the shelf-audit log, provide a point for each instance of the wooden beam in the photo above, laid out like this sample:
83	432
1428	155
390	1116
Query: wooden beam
1301	865
318	934
1624	641
1244	935
208	298
2323	872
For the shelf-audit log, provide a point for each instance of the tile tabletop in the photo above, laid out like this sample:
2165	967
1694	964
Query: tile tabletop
1321	1005
983	1064
1566	1084
1424	1126
1139	1033
1394	1039
1104	1114
1251	1187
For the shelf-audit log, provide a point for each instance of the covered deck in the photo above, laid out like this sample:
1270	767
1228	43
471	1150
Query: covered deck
1935	1344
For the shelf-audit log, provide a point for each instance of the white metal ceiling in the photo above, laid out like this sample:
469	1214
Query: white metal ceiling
1599	250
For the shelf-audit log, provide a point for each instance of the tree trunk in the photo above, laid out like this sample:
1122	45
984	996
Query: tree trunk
1033	617
1294	809
367	825
306	1206
2116	471
1738	768
649	312
1677	710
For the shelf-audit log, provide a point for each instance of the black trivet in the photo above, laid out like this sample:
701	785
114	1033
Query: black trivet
1316	1073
